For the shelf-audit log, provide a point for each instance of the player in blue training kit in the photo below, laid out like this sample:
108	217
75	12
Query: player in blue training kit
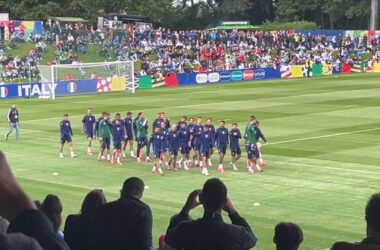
221	139
198	131
118	137
66	136
173	138
157	122
235	136
184	145
157	140
183	119
190	128
128	123
260	137
205	147
88	128
165	144
212	132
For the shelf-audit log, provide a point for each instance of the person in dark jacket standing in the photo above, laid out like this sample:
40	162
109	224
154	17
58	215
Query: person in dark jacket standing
212	233
125	224
13	118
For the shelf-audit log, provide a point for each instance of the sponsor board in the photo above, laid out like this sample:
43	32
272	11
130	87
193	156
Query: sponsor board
248	75
213	77
201	78
237	75
225	76
259	74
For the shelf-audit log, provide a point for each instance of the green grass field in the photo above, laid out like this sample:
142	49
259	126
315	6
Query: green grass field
323	154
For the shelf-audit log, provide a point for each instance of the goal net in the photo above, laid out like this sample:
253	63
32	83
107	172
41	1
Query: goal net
64	79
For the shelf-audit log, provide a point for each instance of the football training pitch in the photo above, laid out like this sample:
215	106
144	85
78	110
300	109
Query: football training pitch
323	153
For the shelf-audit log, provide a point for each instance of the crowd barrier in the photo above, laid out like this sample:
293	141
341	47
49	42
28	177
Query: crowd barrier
111	84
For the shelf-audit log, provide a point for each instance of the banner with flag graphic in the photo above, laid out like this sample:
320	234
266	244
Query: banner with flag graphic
376	67
317	69
158	82
145	82
346	68
297	71
171	80
3	92
327	69
285	72
306	72
75	87
104	84
356	67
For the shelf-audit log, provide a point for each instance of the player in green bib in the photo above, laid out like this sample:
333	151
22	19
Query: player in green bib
251	146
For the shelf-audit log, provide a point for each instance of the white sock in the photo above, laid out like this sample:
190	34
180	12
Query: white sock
160	170
132	153
154	168
261	160
195	162
61	154
118	159
108	157
201	164
72	153
89	149
258	167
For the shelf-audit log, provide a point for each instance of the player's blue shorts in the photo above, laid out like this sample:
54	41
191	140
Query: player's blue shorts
164	147
89	134
173	151
117	144
205	153
106	143
252	151
197	144
130	137
66	138
185	149
235	151
157	152
222	149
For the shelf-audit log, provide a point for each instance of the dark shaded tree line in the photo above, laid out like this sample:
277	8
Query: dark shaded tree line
190	14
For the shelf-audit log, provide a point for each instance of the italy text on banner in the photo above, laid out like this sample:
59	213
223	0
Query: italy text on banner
317	69
297	71
171	80
327	69
306	72
118	84
377	67
356	68
104	84
346	68
158	82
285	72
145	82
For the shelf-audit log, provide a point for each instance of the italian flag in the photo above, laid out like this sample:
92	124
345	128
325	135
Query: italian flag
3	92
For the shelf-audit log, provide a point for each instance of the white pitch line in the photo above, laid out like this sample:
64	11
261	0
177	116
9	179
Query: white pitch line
326	167
322	136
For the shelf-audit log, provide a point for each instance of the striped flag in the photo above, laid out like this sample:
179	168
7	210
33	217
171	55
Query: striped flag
72	87
285	71
3	92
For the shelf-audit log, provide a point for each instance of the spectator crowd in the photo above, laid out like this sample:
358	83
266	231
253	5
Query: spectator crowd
161	51
127	222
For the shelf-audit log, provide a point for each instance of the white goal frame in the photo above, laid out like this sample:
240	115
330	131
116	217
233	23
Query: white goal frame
131	83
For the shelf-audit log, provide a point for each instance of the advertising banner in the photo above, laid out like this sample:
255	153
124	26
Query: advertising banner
75	87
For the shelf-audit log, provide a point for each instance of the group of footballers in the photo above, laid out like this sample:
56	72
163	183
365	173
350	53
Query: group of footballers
168	140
